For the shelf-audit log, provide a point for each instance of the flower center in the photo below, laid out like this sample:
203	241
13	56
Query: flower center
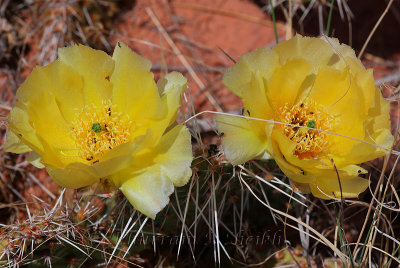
98	130
309	143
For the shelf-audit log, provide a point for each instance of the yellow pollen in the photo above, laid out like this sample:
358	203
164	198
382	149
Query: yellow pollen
309	143
99	129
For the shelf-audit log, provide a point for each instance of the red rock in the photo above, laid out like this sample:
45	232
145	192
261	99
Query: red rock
198	29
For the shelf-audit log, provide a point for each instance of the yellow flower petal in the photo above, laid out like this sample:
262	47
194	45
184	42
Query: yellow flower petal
34	159
74	175
58	104
175	155
49	98
334	89
328	187
147	192
171	157
122	156
62	81
18	125
293	172
95	67
323	182
171	88
284	90
134	91
377	132
365	84
316	51
256	103
149	180
240	142
338	93
342	53
14	144
263	60
56	157
67	87
52	129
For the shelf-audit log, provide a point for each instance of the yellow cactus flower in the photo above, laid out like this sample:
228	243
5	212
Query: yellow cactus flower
305	89
88	117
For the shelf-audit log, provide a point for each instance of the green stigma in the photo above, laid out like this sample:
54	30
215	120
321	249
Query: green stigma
96	127
311	124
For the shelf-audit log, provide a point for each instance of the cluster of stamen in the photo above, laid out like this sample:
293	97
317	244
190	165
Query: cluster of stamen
99	129
303	125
